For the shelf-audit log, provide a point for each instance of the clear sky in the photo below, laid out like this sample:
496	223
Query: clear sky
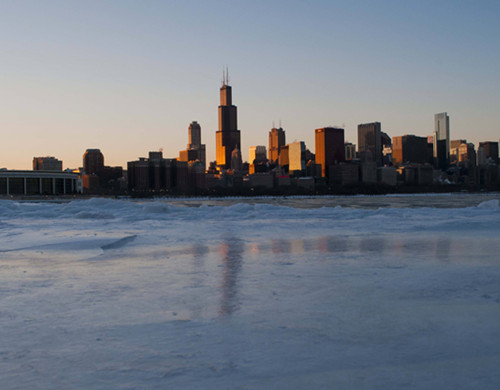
129	76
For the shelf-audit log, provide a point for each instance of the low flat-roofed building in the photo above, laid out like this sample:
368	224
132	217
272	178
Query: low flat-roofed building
48	163
387	175
369	172
39	183
343	173
261	180
305	182
417	174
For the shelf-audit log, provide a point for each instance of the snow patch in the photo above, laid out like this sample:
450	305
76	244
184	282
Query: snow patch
489	204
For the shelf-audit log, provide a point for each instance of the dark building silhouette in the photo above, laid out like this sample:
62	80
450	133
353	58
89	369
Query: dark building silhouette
228	135
276	142
417	174
441	150
491	149
157	174
236	163
344	173
350	151
370	142
98	178
409	149
93	161
385	139
195	151
47	164
329	148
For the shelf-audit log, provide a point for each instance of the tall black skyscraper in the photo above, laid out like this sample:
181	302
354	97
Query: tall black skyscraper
228	136
442	140
370	142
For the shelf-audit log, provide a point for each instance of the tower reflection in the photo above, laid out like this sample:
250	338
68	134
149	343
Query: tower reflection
443	247
231	251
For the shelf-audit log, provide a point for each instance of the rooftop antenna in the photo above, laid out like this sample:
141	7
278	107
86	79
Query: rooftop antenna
273	125
227	75
280	123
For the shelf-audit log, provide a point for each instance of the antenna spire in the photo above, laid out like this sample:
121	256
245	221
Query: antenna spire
225	75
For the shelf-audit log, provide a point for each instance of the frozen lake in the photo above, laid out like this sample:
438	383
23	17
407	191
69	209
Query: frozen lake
368	292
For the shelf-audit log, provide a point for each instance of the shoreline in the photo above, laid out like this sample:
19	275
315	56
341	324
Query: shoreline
255	195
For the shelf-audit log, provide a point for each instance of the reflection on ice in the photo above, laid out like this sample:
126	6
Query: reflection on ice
438	247
231	251
332	244
280	246
443	248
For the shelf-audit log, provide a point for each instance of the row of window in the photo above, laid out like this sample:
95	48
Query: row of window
36	186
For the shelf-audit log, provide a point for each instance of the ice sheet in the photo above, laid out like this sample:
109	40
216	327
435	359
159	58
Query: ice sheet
250	294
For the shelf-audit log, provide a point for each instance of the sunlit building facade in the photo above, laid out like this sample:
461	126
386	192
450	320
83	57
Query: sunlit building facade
296	157
276	142
228	136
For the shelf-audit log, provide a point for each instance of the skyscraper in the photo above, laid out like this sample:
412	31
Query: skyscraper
257	158
441	146
491	149
370	142
228	135
329	148
409	149
194	135
93	162
257	153
195	149
296	158
276	141
350	151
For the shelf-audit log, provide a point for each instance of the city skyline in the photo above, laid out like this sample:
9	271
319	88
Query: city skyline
120	79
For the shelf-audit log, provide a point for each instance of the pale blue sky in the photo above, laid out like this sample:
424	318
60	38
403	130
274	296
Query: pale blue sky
129	76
